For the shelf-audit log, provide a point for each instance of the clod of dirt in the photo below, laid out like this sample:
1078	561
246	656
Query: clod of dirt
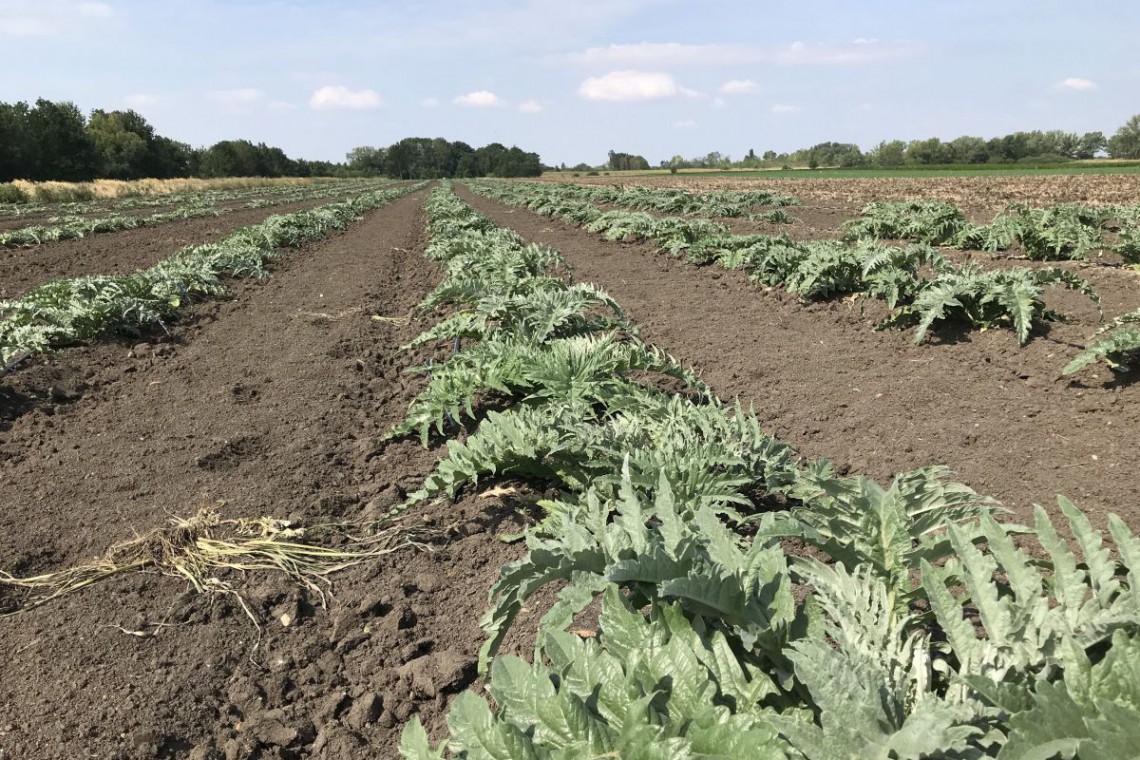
336	742
364	711
272	728
441	673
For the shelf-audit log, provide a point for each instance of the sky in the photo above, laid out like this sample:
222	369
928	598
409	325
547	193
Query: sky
573	79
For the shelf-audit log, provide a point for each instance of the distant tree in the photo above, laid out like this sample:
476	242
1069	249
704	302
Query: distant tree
888	154
64	150
366	159
18	150
769	155
1090	144
626	162
122	152
1126	142
926	152
967	150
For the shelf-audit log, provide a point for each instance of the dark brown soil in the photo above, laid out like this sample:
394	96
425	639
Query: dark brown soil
269	404
822	379
21	269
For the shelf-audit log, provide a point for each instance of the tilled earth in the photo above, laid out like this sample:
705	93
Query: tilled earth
272	402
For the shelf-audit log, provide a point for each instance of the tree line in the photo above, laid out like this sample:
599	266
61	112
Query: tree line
436	158
56	141
1035	147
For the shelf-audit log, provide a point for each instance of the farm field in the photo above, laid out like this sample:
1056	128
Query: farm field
303	397
22	268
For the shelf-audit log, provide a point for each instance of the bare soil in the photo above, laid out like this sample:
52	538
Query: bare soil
821	378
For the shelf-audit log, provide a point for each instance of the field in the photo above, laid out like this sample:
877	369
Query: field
263	520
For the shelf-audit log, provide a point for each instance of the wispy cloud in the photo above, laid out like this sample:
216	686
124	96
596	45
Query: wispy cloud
632	86
739	87
1077	83
795	53
338	97
685	124
50	18
429	103
530	106
479	99
784	109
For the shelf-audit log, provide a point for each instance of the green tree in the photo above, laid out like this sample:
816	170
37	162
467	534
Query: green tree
366	159
1126	142
64	150
926	152
122	153
1090	144
967	150
18	151
626	162
888	154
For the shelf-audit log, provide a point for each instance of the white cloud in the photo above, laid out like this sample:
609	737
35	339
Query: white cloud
632	86
479	99
429	103
239	99
784	109
50	18
1077	83
336	96
685	124
796	53
720	103
530	106
739	87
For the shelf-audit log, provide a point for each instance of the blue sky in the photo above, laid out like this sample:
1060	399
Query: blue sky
572	79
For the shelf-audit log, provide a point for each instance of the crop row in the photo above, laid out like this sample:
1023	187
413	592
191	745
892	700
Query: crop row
68	310
719	203
1051	233
927	632
920	286
71	228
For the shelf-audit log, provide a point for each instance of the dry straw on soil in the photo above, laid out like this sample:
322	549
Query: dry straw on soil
200	548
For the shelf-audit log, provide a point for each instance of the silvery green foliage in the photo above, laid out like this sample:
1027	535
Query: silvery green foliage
661	687
823	269
980	298
931	222
1117	344
922	627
